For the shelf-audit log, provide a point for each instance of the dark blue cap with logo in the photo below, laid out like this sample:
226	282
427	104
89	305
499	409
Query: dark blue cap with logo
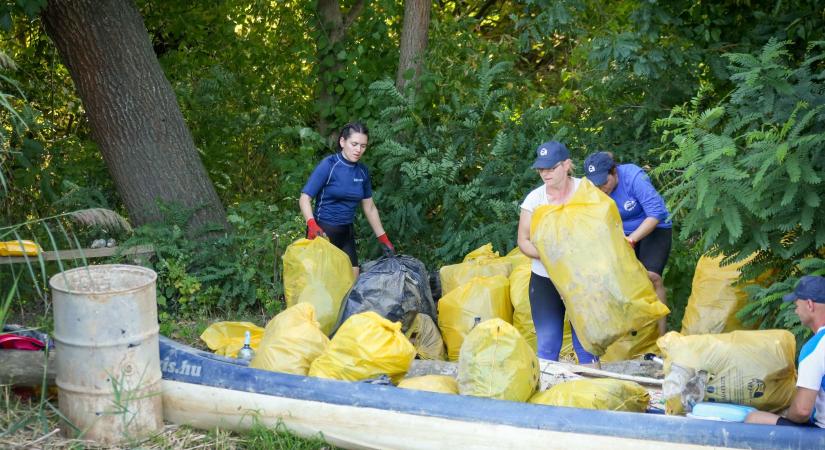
810	287
549	154
597	166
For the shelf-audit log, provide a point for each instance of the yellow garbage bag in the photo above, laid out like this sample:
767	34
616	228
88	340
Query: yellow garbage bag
604	287
714	297
754	368
632	346
319	273
517	258
481	262
291	341
598	393
444	384
226	338
483	297
426	338
520	298
497	362
19	248
365	346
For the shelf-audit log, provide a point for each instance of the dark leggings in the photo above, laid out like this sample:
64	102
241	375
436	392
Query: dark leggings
654	249
343	237
548	318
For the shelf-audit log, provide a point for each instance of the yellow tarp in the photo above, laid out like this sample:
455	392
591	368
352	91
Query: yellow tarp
754	368
226	338
605	288
496	362
318	273
444	384
714	297
483	297
481	262
426	338
365	346
633	346
291	341
19	248
598	393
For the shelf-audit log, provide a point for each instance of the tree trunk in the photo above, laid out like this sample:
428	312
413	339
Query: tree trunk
413	41
133	112
333	26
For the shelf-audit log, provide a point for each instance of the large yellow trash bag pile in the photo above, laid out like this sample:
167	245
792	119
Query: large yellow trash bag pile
481	262
365	346
317	272
598	393
444	384
714	297
496	362
226	338
604	287
754	368
483	298
426	338
516	258
291	341
520	298
632	346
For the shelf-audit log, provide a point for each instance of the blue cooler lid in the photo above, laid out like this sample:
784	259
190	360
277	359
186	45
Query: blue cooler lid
726	412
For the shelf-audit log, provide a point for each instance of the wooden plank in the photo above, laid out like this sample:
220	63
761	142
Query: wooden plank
88	253
349	426
25	368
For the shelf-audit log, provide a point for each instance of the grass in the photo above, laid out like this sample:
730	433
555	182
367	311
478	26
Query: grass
26	424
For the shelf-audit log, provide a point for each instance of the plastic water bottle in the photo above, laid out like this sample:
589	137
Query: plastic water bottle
246	353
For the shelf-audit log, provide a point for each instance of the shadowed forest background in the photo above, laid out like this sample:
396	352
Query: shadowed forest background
200	121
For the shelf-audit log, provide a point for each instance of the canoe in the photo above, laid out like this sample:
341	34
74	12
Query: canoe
206	391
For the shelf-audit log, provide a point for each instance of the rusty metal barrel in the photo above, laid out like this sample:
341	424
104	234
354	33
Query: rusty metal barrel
107	355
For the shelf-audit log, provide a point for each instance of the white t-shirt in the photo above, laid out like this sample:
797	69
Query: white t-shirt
538	197
812	373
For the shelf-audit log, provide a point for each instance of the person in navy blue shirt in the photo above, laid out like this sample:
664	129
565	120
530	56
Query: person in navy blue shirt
645	218
338	184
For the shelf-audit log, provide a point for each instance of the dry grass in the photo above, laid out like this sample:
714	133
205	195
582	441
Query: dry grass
101	217
32	424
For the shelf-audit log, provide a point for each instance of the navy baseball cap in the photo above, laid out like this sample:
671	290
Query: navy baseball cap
549	154
597	166
810	287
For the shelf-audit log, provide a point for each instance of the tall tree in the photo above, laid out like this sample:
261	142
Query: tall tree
413	42
132	110
333	24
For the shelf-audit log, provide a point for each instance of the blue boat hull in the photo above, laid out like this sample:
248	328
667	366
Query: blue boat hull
183	364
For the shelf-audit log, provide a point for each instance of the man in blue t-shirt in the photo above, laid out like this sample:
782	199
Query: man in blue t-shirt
644	215
808	404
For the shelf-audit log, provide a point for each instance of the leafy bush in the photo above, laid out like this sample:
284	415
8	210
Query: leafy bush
745	174
233	273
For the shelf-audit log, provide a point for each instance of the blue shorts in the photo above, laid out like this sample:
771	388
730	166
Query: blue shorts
548	318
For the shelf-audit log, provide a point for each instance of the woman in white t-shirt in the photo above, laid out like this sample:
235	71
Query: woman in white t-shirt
553	165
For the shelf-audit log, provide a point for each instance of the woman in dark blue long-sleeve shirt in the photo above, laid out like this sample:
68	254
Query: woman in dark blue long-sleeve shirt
645	218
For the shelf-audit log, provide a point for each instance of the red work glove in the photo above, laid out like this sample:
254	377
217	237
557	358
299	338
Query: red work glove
386	245
313	230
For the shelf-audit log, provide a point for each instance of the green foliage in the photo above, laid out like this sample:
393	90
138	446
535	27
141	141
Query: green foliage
745	174
264	438
452	173
234	272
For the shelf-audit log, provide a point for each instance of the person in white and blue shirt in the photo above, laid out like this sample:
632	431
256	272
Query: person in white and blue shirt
338	184
808	404
645	218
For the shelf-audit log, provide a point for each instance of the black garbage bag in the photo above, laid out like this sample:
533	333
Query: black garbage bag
395	287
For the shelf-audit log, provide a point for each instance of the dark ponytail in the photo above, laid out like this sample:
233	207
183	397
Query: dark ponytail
349	129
